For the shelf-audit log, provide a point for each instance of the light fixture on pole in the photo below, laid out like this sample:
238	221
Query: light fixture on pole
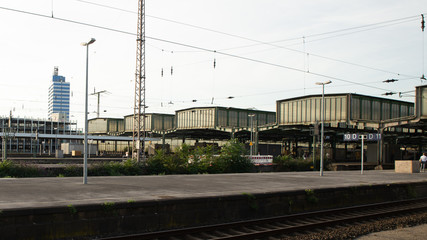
92	40
322	116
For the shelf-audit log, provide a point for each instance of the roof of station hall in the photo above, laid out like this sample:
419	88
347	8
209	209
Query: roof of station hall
343	94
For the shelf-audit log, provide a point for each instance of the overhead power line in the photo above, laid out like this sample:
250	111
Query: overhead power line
362	28
195	47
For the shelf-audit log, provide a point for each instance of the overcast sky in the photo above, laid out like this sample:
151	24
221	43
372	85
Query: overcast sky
265	51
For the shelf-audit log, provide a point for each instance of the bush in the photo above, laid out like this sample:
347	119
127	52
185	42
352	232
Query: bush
10	169
201	160
184	161
126	168
288	164
232	158
73	171
155	164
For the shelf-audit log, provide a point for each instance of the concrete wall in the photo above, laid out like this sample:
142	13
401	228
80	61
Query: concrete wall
89	221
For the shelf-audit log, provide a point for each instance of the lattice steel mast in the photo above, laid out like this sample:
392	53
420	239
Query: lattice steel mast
139	107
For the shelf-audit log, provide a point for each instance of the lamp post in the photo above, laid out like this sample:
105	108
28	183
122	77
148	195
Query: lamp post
92	40
322	116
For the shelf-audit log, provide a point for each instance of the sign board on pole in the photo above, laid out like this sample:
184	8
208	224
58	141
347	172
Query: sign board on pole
356	136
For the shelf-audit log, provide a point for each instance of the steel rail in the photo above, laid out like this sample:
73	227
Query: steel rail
259	228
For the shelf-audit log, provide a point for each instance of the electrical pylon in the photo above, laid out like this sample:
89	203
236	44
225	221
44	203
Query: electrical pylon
139	107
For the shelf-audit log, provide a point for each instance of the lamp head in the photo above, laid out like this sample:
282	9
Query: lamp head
92	40
324	83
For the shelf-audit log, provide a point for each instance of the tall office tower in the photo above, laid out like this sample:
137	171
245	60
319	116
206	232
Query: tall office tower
59	98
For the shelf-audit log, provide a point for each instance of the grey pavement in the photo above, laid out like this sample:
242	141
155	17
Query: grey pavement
45	192
410	233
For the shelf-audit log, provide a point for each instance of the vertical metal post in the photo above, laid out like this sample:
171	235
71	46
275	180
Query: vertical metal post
256	137
86	111
322	116
86	124
252	134
97	108
4	144
314	150
361	158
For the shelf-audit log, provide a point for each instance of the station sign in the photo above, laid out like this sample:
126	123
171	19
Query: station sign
358	136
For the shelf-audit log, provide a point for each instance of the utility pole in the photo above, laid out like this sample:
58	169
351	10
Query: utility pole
139	106
5	137
99	97
4	144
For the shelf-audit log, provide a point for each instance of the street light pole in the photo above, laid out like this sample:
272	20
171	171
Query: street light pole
92	40
322	116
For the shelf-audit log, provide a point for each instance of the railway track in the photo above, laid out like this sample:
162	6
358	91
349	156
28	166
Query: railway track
288	224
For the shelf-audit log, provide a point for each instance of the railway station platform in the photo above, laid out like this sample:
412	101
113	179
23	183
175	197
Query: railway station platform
65	208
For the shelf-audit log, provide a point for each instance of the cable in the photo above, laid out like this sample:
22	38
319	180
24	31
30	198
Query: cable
393	21
332	59
194	47
410	18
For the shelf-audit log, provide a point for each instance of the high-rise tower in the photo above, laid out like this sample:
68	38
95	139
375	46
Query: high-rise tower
59	97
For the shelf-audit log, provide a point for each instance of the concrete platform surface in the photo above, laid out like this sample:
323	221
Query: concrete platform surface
47	192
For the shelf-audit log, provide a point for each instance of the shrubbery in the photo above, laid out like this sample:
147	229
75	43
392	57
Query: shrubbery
127	168
9	169
289	164
201	160
185	160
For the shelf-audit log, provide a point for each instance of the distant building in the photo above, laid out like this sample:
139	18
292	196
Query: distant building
59	96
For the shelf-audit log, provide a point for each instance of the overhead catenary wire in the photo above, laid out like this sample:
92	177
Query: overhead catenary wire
422	28
362	28
195	47
366	27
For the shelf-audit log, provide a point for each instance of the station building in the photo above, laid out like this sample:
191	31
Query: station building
35	136
295	127
399	128
299	119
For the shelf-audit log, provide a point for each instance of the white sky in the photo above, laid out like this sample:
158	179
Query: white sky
30	47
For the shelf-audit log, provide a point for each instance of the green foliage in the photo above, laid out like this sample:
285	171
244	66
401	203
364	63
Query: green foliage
287	163
73	171
177	162
232	158
109	207
310	196
71	209
155	164
252	202
126	168
183	161
10	169
200	160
